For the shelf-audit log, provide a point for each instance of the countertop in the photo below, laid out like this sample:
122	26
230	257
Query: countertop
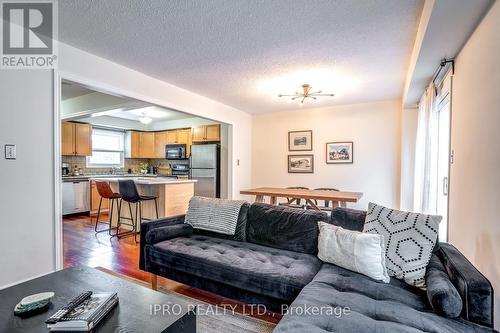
126	175
147	180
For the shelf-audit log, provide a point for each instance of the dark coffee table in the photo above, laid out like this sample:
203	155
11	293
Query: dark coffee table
134	312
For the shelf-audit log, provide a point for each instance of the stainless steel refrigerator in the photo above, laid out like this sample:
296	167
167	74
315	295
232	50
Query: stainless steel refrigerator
204	167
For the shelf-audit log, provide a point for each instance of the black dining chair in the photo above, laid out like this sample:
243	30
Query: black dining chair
130	195
326	204
295	202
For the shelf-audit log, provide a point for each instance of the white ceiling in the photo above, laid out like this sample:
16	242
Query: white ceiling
83	102
153	112
243	53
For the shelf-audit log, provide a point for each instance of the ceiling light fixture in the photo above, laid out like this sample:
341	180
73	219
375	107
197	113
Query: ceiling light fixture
306	93
144	119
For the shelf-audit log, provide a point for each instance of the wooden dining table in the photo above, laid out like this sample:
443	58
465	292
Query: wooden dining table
337	198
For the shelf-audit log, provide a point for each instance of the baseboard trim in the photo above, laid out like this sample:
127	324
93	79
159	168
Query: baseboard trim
24	280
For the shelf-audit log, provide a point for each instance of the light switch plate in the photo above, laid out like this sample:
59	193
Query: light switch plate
10	152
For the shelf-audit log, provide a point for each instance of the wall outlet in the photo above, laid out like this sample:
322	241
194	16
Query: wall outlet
10	152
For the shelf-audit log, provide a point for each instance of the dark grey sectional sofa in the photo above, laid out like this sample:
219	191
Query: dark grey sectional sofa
277	266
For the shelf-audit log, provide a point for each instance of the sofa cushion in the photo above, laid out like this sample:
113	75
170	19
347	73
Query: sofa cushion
357	251
271	272
409	238
347	218
442	294
373	307
241	227
219	216
284	228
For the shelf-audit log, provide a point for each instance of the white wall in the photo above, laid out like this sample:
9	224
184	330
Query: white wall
408	140
474	223
373	127
27	183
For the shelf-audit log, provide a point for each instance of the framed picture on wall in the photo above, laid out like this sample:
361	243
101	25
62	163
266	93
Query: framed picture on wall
300	163
300	140
339	152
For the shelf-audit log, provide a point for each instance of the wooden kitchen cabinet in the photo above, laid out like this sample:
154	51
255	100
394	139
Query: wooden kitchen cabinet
152	144
147	144
140	144
171	137
181	136
67	136
198	133
95	198
83	139
212	132
206	133
160	142
76	139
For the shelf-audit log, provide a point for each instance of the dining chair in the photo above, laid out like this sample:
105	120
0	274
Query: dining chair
326	204
295	202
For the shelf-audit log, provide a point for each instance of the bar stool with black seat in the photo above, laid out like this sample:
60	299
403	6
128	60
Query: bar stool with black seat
105	192
129	194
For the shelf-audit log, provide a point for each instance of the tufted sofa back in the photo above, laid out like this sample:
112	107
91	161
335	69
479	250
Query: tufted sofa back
284	228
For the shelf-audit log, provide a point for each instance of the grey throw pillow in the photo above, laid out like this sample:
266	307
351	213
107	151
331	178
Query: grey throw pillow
409	238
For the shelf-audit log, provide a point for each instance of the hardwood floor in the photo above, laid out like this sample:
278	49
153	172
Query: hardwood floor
82	246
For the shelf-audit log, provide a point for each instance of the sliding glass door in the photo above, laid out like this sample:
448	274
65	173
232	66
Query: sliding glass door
443	164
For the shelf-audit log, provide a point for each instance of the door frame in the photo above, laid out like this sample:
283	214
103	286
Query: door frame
58	78
449	98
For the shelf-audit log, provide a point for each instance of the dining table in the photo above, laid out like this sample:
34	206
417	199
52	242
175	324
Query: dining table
337	198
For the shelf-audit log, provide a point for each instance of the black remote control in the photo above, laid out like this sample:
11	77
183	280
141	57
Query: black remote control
68	308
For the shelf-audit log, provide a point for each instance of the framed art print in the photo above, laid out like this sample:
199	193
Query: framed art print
339	152
300	163
300	140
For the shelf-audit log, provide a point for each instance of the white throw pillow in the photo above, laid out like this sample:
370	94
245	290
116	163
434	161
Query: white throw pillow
359	252
409	238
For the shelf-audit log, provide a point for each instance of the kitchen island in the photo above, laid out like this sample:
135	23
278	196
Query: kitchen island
173	196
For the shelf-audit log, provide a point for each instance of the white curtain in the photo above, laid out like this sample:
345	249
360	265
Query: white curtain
425	182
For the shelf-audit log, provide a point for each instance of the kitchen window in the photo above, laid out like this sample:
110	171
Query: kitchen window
107	149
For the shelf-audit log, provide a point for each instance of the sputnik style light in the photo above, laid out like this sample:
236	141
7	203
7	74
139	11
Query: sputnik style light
306	93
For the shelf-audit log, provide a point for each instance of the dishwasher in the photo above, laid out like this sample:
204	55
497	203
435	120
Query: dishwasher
75	196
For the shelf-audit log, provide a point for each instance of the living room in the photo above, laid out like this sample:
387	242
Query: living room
382	62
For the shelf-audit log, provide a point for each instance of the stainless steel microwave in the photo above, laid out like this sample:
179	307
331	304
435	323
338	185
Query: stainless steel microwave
175	152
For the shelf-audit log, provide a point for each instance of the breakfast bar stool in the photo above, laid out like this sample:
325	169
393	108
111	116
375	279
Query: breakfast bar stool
105	192
129	194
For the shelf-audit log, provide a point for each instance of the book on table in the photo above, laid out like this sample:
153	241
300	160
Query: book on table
86	315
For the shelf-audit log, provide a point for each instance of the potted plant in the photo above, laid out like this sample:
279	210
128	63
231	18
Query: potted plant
144	167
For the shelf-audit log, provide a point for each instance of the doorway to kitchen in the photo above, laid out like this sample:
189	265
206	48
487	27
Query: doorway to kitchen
105	137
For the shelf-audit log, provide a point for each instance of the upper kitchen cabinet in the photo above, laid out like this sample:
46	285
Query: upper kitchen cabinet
171	137
147	144
181	136
206	133
76	139
140	144
161	139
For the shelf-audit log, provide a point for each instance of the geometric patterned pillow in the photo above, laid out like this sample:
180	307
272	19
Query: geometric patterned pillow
409	240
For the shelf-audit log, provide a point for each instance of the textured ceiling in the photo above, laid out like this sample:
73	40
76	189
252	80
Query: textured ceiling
243	53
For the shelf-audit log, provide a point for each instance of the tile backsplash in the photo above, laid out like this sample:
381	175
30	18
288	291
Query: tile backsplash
130	163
